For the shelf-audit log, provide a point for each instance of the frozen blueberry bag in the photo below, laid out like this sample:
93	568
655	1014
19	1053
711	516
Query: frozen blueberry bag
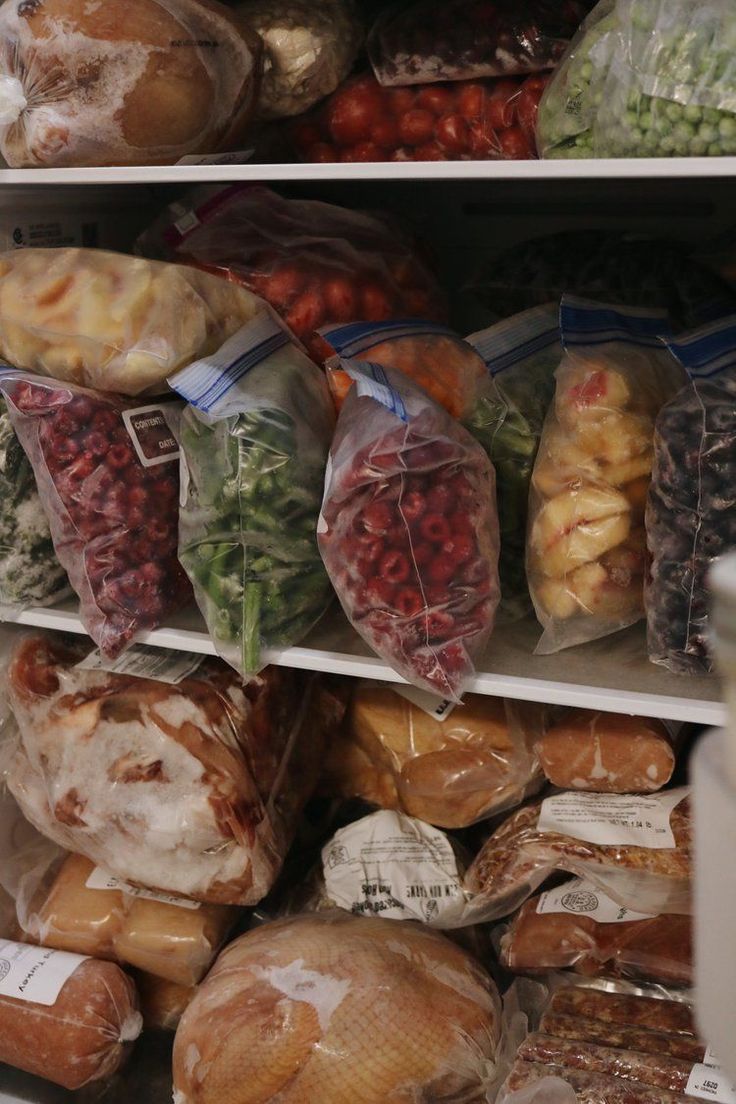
255	438
408	530
691	510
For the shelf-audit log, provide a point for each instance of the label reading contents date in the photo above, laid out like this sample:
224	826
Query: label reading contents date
152	436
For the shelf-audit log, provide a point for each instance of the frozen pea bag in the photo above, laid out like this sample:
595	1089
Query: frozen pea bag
255	439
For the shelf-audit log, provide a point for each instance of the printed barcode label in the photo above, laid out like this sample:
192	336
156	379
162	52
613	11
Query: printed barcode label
102	879
613	820
710	1083
143	661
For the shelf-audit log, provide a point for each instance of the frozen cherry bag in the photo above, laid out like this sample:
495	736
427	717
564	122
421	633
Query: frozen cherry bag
409	532
107	471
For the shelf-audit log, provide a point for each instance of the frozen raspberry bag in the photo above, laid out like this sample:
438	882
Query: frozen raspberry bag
586	544
313	262
408	530
107	471
691	510
255	439
450	40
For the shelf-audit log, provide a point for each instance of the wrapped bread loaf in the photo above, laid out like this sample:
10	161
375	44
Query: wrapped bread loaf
451	771
141	83
191	789
335	1008
110	321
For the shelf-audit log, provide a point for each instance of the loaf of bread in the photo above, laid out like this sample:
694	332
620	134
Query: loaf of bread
110	321
607	753
141	83
74	1019
163	1003
479	761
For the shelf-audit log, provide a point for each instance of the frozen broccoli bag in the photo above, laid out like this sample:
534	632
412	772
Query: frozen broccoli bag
255	439
521	355
691	510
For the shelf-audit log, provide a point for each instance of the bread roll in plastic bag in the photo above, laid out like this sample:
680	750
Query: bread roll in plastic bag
636	849
141	83
586	547
255	440
340	1008
691	510
107	471
216	770
448	766
110	321
408	530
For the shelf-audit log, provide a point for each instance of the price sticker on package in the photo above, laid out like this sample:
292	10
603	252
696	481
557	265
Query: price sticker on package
711	1083
613	820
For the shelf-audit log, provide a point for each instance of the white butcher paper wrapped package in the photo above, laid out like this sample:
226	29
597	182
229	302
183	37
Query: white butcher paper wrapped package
145	82
191	788
335	1008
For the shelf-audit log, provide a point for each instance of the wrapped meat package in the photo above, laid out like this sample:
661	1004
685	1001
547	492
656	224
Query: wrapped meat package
447	40
109	321
217	770
339	1008
107	471
636	849
141	84
408	530
586	550
64	1017
576	926
313	262
448	767
163	1003
691	511
255	440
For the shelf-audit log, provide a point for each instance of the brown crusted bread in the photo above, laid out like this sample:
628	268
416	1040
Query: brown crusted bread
640	1039
623	1009
607	753
591	1088
659	1070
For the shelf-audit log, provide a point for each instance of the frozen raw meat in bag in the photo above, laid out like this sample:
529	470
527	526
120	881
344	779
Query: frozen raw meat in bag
691	510
216	770
110	321
255	439
141	83
408	530
586	544
107	471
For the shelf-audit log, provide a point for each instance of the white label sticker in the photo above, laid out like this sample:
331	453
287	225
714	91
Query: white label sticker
710	1058
101	879
144	661
613	820
439	708
710	1083
153	438
391	865
35	973
582	898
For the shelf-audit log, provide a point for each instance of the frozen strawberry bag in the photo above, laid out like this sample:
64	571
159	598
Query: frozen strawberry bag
107	471
409	532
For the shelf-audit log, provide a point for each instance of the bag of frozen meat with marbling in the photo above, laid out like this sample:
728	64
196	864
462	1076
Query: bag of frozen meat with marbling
191	788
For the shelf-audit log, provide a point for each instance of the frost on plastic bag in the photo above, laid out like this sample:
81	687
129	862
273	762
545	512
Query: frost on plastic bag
547	1090
595	836
217	770
313	262
450	40
30	574
691	511
670	90
451	768
521	355
308	50
141	84
108	477
109	321
408	530
586	546
255	440
395	1009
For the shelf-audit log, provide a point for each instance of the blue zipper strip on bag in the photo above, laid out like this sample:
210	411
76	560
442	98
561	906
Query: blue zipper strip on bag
709	351
353	338
585	322
517	339
372	382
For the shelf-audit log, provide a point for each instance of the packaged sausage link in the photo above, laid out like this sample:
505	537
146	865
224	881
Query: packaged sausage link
691	515
255	439
142	85
217	770
586	549
64	1017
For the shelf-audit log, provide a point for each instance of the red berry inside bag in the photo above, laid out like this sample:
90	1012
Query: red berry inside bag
409	532
107	471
